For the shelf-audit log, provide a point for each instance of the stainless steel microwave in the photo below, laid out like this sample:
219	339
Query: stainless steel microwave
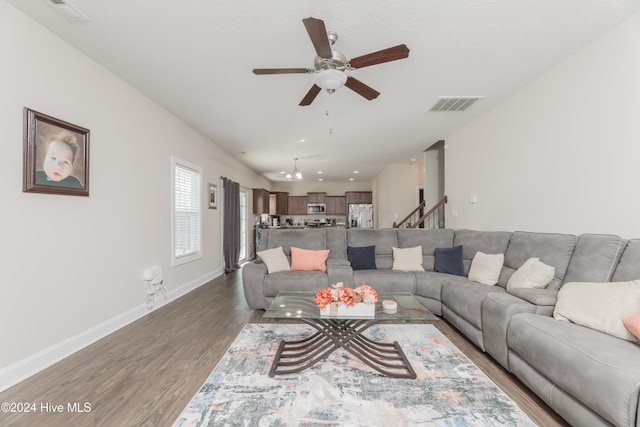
316	208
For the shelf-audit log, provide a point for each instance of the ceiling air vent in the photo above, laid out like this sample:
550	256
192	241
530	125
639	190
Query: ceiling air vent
69	10
454	103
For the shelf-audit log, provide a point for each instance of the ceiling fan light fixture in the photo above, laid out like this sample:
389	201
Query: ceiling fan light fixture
331	79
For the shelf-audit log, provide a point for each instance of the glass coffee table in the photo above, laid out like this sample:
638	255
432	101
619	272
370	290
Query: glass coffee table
334	332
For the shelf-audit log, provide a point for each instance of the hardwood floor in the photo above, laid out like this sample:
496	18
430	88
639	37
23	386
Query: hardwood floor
145	373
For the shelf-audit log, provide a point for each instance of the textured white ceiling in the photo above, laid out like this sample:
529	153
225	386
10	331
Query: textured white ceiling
194	57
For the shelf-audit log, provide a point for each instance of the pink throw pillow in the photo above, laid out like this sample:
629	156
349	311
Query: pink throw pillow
632	323
305	259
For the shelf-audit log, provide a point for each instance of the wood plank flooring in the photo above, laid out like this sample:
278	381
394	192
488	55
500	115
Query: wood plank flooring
145	373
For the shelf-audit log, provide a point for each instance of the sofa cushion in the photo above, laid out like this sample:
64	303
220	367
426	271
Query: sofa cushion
472	241
407	259
386	280
303	281
485	268
595	258
274	259
362	257
429	240
632	323
449	260
552	249
306	259
599	306
383	239
629	266
532	274
578	360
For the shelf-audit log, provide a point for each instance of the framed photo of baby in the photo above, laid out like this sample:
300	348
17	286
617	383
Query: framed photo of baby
56	156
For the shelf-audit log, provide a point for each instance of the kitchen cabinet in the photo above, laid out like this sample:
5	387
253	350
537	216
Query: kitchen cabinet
336	205
359	197
260	201
316	197
279	203
297	205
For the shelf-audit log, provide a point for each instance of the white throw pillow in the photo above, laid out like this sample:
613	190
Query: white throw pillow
274	259
486	268
407	259
599	306
532	274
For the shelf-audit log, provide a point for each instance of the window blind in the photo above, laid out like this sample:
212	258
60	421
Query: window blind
187	239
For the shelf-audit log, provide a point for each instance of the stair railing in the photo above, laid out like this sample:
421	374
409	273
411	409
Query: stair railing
434	218
411	218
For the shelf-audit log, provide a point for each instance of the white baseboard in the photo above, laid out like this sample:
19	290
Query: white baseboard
23	369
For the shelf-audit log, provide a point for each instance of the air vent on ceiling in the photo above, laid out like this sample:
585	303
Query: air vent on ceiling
69	10
454	103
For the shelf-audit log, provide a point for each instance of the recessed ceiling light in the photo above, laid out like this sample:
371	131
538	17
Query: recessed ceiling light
413	159
320	179
356	171
319	172
351	179
302	140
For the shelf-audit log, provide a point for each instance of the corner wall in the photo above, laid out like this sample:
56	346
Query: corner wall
72	266
561	155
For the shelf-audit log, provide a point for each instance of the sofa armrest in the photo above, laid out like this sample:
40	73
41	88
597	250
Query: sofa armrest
543	299
253	276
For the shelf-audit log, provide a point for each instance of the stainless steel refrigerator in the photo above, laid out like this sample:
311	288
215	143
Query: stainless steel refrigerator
360	216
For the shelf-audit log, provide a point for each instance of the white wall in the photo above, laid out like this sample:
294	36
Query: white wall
397	189
72	266
562	154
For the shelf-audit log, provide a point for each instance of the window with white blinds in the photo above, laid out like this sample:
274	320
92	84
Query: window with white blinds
187	212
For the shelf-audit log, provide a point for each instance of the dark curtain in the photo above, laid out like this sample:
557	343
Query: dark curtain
231	234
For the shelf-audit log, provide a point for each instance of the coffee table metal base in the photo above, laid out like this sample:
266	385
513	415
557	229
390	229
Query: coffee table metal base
296	356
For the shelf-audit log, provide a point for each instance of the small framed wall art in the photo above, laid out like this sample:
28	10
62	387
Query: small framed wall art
213	196
56	156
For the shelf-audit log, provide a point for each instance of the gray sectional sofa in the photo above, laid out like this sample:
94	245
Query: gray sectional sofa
588	377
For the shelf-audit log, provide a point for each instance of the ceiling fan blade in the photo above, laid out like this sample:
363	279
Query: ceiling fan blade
282	70
386	55
361	88
318	35
310	96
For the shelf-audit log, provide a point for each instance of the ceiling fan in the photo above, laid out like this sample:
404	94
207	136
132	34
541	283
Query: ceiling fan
330	65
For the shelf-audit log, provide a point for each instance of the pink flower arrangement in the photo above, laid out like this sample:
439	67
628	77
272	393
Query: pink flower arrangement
338	293
366	294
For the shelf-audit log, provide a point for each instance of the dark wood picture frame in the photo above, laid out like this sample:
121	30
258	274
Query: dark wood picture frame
56	156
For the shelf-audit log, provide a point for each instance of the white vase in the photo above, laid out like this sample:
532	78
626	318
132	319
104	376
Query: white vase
343	310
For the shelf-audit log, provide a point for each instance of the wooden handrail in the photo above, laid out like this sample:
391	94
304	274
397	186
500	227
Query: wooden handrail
420	206
437	206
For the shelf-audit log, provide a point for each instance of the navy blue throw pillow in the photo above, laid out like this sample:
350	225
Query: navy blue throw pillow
362	257
449	260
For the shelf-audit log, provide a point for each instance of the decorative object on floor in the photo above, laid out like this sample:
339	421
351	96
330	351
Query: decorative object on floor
153	277
56	156
449	390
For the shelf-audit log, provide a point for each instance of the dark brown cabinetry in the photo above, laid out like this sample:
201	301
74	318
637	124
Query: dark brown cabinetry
316	197
260	201
278	203
297	205
358	197
336	205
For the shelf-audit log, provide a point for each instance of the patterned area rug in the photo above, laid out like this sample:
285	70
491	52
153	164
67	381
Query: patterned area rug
342	391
